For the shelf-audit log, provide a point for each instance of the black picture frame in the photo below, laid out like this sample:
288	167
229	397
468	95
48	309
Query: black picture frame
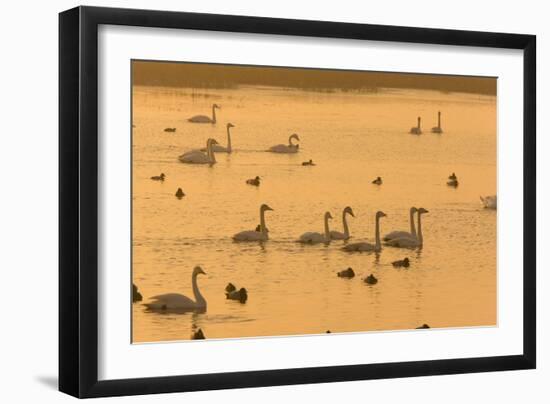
78	201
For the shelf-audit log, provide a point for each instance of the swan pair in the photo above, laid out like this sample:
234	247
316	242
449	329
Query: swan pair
204	118
289	148
178	302
206	154
326	237
416	130
255	235
412	239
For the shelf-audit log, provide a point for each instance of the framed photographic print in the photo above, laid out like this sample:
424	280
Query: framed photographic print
251	201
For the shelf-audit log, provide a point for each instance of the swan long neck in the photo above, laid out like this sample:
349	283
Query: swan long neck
327	230
290	140
377	234
439	119
413	228
228	140
213	114
209	152
199	299
419	236
345	222
263	229
418	123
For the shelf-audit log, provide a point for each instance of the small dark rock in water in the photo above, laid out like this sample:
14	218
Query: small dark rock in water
170	129
136	296
377	181
346	273
160	177
179	193
328	332
230	288
423	326
371	280
401	263
241	295
198	335
308	163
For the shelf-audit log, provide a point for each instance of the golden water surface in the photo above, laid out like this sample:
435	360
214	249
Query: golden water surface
353	137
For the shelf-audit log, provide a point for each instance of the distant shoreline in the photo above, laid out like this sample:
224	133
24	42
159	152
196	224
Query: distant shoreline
220	76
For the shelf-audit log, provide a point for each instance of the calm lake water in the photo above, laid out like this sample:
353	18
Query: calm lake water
293	288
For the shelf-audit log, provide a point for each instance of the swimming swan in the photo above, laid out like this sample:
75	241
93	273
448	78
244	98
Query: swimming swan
283	148
415	130
489	202
399	234
410	242
366	246
199	157
311	237
252	235
437	129
177	302
336	235
204	118
222	149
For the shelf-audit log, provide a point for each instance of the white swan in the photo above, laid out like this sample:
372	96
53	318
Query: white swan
222	149
199	157
204	118
312	237
252	235
410	242
415	130
399	234
289	148
437	129
336	235
366	246
489	202
177	302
